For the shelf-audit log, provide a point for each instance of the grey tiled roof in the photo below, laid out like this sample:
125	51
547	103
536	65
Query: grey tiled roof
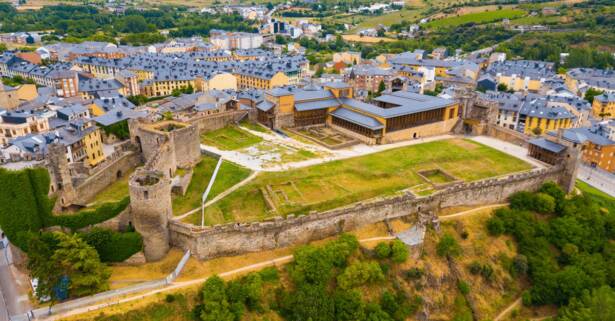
319	104
357	118
548	145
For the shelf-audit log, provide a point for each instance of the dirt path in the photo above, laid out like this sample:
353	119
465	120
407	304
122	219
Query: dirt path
472	211
219	196
508	309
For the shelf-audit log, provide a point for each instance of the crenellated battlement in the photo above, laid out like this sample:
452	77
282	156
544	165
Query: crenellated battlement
241	237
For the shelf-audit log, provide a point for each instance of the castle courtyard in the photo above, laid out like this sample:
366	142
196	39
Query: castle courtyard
338	183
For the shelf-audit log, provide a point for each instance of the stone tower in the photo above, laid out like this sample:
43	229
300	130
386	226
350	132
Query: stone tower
61	181
570	160
150	202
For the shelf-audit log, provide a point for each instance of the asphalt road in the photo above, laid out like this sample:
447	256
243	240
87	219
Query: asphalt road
597	178
13	300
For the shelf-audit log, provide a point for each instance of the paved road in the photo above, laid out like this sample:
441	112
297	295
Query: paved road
14	298
597	178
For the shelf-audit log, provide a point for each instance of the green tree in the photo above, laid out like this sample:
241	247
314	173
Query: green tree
360	273
599	304
591	93
502	87
381	87
382	250
80	262
40	249
348	306
215	303
399	251
448	246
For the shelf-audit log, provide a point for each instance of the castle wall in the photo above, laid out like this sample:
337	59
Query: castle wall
104	177
238	238
186	142
209	123
507	135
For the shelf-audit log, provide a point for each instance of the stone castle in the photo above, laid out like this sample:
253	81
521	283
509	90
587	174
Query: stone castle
166	146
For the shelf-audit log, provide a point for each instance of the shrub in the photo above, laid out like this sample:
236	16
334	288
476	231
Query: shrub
399	251
487	272
538	202
269	274
495	226
170	298
383	250
448	246
360	273
415	273
463	287
544	203
519	265
475	267
113	246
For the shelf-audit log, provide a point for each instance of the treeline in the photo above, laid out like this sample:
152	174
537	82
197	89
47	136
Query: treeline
321	284
82	22
549	47
568	243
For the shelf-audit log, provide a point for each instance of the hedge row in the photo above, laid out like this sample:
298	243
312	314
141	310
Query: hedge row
89	217
113	246
25	206
20	203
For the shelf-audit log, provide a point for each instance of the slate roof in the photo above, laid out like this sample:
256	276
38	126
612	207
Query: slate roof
117	115
319	104
357	118
548	145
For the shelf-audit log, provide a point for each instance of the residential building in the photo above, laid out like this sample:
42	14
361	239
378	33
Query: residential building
603	106
235	40
521	75
15	124
578	80
83	141
597	149
347	57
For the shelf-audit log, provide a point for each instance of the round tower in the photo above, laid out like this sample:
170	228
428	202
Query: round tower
150	206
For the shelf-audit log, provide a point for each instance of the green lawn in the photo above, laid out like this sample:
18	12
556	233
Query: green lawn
603	199
230	138
114	192
478	18
333	184
254	126
228	175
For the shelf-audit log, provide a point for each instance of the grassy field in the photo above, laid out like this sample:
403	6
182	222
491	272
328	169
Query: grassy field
478	18
366	39
230	138
114	192
228	175
333	184
603	199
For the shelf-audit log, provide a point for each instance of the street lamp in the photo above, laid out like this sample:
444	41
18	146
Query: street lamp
204	197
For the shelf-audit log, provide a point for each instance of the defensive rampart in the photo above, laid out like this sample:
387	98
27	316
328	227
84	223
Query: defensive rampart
238	238
208	123
116	168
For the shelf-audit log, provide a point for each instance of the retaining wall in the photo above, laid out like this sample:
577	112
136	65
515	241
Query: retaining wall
238	238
